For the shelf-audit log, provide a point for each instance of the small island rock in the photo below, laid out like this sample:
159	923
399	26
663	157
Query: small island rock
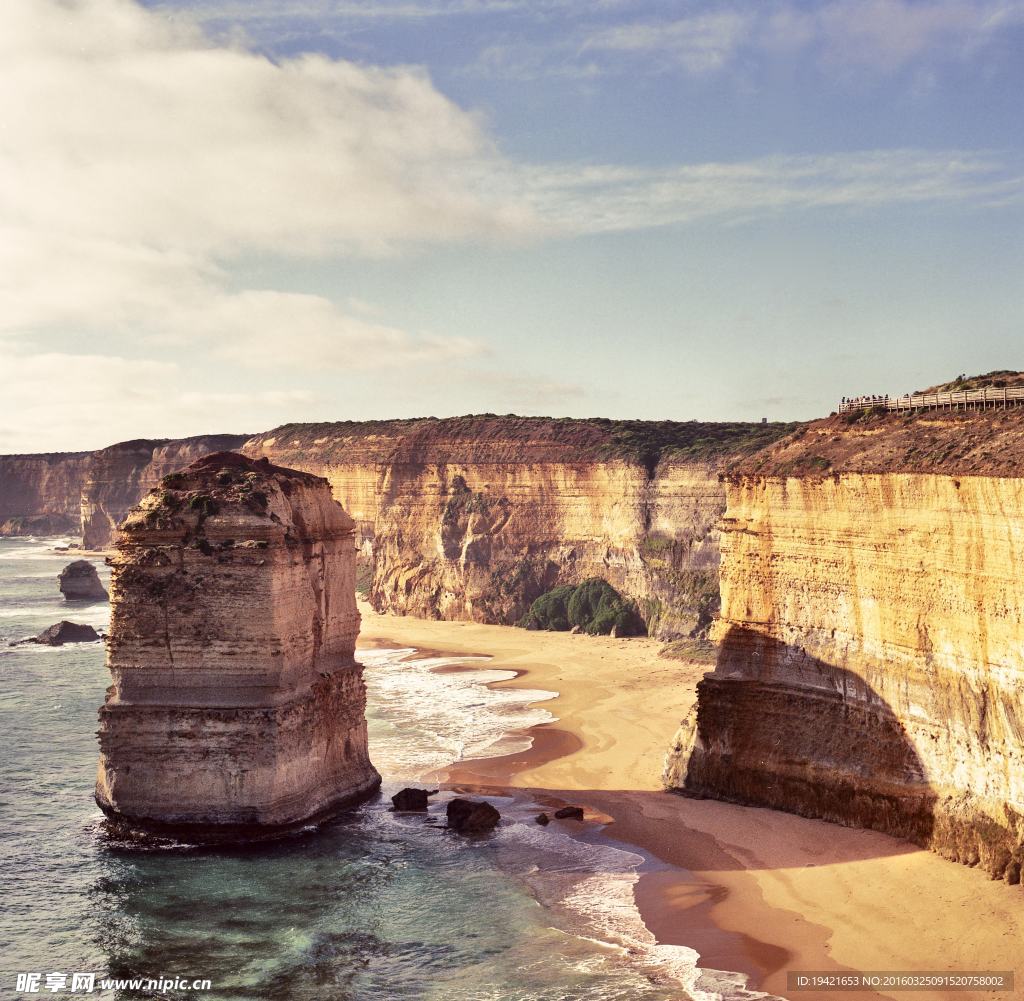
64	632
469	816
569	813
412	799
79	581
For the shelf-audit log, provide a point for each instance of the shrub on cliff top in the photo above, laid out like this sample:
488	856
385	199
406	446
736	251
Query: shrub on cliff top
595	606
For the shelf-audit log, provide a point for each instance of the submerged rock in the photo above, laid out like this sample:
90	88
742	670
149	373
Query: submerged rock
469	816
543	819
569	813
237	706
63	632
79	581
412	799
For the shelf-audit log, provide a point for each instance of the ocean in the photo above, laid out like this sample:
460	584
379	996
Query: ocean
372	905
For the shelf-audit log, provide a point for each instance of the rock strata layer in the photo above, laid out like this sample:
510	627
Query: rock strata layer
872	624
237	704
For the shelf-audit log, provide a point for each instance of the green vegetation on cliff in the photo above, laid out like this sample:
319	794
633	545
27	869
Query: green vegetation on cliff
594	606
586	439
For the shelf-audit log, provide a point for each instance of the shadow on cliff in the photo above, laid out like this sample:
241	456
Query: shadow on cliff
777	727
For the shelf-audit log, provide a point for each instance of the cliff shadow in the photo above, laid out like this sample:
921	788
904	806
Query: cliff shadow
777	727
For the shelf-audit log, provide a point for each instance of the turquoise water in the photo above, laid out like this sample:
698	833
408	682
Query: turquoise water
372	906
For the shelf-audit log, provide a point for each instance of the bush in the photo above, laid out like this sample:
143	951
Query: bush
550	611
595	606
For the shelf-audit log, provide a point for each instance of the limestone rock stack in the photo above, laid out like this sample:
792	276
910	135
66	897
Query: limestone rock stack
236	703
79	581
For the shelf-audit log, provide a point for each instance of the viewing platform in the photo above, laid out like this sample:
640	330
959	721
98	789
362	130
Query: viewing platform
965	399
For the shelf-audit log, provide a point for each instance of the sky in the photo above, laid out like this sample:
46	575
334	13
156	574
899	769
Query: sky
224	215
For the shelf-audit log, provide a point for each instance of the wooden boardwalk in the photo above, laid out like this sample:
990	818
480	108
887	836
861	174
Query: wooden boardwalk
966	399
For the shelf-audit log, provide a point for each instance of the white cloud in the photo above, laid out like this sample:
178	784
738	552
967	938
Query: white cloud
62	400
139	162
123	125
607	199
881	36
701	43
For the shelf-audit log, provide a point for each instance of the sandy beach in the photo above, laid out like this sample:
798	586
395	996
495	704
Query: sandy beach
753	890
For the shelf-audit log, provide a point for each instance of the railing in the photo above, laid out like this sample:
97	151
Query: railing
964	399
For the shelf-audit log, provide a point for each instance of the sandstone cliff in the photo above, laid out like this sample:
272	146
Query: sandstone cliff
872	623
473	518
116	478
40	494
236	702
88	493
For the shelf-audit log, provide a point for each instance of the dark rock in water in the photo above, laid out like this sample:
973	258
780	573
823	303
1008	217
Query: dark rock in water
64	632
412	799
543	819
569	813
80	582
472	816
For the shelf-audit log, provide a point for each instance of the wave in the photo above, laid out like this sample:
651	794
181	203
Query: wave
421	719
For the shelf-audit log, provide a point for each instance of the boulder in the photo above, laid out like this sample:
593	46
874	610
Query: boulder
64	632
543	819
79	581
467	816
569	813
412	799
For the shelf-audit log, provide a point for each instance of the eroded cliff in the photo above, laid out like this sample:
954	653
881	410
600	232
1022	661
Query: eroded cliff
116	478
872	623
40	494
473	518
88	493
236	701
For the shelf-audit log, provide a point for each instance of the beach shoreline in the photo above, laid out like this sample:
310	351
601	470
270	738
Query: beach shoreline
754	891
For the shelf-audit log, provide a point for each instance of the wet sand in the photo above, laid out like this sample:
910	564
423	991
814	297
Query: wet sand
755	891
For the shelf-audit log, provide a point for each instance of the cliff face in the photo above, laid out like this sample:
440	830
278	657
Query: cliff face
88	493
39	494
236	702
872	624
473	518
116	478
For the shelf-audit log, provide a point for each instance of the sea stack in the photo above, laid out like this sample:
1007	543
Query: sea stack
237	706
79	581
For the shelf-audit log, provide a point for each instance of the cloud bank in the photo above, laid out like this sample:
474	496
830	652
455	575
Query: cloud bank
145	170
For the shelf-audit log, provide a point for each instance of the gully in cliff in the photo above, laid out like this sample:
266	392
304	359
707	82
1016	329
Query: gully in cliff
237	706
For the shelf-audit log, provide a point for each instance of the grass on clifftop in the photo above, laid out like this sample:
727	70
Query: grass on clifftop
598	437
997	379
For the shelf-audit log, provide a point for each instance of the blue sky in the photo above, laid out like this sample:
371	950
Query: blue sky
225	215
